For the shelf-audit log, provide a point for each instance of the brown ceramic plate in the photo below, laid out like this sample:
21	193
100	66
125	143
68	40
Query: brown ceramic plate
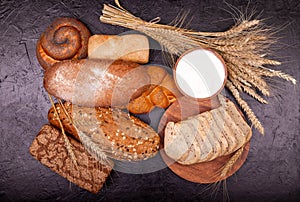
206	172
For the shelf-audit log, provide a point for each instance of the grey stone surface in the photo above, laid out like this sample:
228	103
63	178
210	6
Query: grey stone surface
272	170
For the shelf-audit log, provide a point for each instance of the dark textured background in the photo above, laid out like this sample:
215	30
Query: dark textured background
271	172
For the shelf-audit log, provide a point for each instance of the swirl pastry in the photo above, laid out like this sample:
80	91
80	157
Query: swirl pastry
65	38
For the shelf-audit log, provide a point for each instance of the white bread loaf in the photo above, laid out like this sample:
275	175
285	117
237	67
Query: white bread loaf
131	47
92	83
206	136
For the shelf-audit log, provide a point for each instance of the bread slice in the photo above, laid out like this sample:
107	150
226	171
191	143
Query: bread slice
208	135
177	145
193	148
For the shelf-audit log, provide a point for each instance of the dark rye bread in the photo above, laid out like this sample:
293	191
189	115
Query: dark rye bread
49	148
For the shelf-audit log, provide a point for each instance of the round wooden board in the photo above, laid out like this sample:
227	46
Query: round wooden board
206	172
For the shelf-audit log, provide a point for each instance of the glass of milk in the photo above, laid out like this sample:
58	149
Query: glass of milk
200	74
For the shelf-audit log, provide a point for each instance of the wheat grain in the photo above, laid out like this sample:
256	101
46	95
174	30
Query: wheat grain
279	74
244	25
262	71
252	80
243	47
252	93
94	148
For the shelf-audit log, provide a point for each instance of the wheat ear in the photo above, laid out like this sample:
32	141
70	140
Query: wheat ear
229	165
66	139
91	147
243	47
245	107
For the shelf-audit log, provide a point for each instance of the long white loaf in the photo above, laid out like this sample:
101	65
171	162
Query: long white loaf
131	47
96	82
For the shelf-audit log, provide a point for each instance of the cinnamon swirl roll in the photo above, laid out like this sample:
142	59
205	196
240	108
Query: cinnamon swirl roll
66	38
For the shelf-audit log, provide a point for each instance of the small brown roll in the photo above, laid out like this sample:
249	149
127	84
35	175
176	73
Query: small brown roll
162	92
65	38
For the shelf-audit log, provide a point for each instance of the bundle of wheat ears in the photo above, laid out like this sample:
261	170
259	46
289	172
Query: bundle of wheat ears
243	48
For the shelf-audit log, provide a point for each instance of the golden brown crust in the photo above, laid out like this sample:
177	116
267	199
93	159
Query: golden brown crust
128	137
93	83
65	38
162	92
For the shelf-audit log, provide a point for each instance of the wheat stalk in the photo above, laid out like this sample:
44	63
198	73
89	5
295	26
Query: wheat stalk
95	149
229	165
243	47
66	139
245	107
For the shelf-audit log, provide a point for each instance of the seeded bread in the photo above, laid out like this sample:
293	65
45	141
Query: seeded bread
124	136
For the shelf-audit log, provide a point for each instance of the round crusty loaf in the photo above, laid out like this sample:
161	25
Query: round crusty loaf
96	82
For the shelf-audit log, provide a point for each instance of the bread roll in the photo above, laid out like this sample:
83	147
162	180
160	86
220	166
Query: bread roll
206	136
131	47
161	93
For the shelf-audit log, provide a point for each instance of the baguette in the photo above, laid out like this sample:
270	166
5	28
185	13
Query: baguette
101	83
124	137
